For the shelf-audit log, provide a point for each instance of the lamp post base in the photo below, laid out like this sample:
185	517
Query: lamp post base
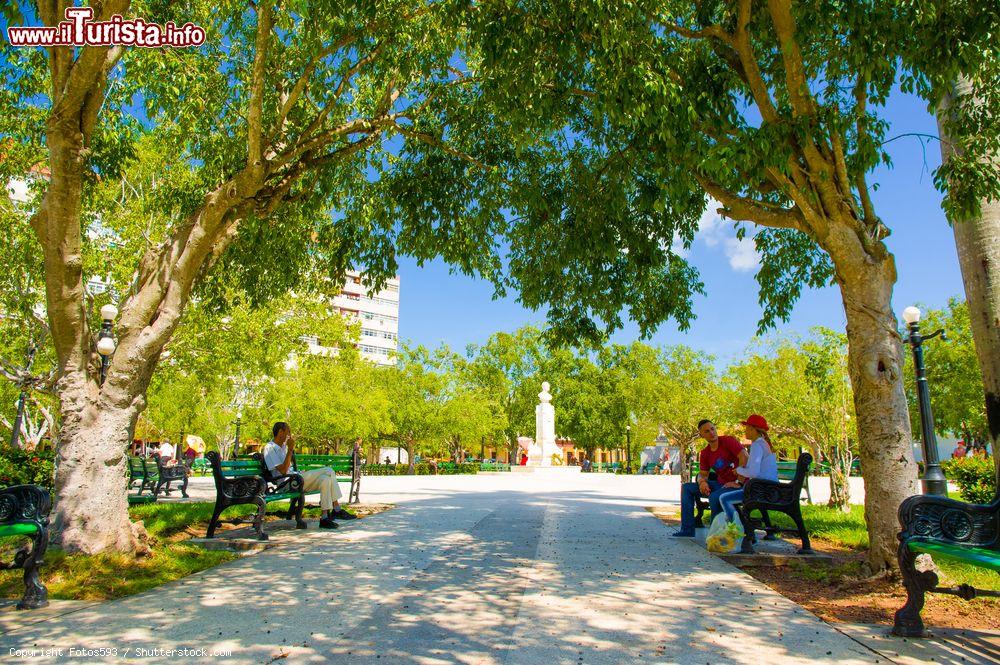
934	486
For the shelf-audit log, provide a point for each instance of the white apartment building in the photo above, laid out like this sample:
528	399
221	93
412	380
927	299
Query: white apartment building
378	313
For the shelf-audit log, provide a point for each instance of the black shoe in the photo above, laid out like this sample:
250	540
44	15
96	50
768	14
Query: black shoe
327	523
342	514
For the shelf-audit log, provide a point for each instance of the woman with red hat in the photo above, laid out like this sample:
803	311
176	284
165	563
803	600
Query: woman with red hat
763	464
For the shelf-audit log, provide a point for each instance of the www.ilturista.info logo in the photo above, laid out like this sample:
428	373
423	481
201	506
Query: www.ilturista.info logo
79	29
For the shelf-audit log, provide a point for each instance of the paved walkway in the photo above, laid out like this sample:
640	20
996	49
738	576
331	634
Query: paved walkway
484	569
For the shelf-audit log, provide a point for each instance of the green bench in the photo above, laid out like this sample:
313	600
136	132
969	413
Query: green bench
347	467
248	481
943	527
493	466
142	475
200	466
24	511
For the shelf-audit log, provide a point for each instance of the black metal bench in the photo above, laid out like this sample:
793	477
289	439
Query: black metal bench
247	481
166	474
24	511
769	495
935	525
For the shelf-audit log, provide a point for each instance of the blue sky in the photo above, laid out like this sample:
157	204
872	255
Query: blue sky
437	307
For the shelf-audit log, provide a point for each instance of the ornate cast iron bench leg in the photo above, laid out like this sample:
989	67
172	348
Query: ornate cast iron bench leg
907	621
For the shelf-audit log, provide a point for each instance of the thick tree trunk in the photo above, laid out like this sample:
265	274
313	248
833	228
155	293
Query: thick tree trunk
978	243
91	513
875	365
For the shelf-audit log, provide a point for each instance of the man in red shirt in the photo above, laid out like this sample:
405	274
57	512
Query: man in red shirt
719	458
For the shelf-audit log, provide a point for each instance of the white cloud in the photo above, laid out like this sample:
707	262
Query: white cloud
715	231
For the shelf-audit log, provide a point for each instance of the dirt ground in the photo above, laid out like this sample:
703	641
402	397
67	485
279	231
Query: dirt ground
838	593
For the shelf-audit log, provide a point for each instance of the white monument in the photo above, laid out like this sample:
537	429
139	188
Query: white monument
543	449
545	429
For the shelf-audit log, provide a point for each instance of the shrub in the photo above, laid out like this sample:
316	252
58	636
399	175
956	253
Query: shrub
421	469
20	467
975	477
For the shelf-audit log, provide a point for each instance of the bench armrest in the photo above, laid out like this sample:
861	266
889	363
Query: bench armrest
289	482
25	503
242	487
937	518
758	490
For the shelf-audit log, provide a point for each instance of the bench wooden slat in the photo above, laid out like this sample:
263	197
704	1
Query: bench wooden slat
979	556
18	529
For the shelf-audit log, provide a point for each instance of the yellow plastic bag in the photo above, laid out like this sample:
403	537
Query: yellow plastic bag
723	536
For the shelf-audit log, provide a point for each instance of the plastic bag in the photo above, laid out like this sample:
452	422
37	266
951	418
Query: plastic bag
723	536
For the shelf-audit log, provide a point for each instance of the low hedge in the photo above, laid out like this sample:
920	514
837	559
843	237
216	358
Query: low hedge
422	469
975	477
20	467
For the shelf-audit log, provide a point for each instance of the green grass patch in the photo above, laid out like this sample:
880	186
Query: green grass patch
844	529
105	576
849	530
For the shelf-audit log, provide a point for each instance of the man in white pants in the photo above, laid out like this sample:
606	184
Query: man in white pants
278	457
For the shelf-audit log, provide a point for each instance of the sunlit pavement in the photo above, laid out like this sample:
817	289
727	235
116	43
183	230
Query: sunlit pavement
466	569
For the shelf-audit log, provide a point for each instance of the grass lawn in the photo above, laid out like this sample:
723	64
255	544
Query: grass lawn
105	576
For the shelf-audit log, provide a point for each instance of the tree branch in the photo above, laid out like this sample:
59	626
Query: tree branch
741	42
746	209
255	114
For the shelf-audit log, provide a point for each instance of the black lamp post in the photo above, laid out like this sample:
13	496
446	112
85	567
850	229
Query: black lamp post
106	344
933	481
25	382
628	449
236	445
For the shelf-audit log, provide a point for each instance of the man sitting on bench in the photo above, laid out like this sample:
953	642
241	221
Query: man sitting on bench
278	458
722	455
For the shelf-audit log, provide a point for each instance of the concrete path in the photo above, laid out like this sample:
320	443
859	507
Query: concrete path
483	569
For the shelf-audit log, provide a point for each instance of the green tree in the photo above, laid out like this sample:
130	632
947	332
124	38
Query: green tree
284	114
332	401
803	390
222	365
470	413
689	392
416	393
506	368
771	110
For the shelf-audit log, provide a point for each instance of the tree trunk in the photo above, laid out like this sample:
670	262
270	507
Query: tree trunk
978	243
875	364
840	473
685	453
409	455
91	514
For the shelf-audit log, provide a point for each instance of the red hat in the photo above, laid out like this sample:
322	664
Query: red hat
757	422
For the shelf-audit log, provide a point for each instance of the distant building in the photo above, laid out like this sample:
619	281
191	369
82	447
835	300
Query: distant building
378	313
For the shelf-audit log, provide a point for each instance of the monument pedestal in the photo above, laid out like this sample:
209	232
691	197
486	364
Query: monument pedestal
546	470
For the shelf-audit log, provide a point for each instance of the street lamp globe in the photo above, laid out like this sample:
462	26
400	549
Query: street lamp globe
106	346
109	312
911	315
